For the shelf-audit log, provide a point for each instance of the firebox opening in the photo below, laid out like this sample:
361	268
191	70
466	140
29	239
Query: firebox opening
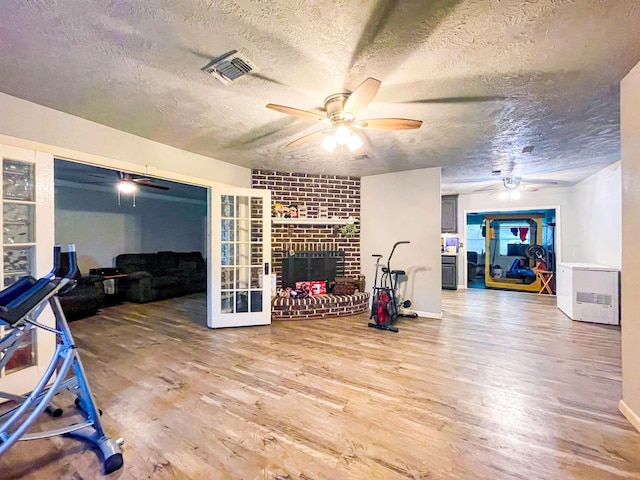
312	265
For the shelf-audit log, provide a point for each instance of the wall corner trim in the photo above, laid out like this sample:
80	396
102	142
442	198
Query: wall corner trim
436	316
629	414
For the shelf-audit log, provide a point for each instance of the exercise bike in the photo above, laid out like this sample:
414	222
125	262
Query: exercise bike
385	307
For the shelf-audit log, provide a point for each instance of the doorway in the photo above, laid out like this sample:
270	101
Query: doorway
156	219
105	222
520	242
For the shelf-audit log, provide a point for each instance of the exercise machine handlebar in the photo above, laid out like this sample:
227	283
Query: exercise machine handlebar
17	300
393	250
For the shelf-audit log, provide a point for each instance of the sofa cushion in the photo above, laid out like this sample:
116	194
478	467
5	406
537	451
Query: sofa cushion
182	261
139	262
166	281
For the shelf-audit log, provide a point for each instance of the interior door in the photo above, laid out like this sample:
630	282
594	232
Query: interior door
240	286
27	247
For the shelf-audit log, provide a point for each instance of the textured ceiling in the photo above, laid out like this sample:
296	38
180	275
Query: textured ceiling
487	77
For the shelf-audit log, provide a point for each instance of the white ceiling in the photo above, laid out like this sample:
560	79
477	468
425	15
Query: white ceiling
487	77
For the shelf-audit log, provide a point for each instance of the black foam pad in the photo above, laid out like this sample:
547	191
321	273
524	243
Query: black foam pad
16	289
17	309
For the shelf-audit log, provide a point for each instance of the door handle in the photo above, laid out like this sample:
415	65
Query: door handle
266	268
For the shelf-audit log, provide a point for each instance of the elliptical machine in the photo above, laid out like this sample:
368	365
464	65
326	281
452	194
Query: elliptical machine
385	308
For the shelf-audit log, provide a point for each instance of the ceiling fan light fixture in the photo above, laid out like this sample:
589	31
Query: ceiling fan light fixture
126	186
342	135
511	182
514	194
355	142
329	143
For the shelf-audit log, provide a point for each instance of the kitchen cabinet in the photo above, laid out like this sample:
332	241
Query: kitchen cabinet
449	272
449	214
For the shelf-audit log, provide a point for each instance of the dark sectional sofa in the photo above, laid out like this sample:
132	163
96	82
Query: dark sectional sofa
156	276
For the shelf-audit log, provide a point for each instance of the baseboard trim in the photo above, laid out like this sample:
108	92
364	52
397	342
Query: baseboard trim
437	316
629	414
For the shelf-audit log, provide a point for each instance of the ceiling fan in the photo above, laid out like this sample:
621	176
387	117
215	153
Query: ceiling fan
512	186
340	112
129	182
125	182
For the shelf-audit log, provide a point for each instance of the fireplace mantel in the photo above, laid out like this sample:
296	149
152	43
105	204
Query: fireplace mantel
313	221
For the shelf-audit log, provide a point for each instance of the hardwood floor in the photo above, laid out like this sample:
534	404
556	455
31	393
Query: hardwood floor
503	387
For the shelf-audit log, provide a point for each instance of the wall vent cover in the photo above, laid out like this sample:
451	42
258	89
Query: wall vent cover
595	298
229	67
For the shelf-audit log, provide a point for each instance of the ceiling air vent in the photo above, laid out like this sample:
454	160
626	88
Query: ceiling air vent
229	67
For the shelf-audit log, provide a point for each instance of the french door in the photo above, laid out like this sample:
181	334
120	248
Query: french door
27	247
240	245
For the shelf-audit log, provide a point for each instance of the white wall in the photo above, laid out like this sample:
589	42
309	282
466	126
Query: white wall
102	229
630	134
596	218
405	206
74	138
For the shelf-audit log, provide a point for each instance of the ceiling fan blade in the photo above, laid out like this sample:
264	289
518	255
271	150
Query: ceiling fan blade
489	188
151	185
467	99
540	181
296	112
389	124
307	138
146	182
362	96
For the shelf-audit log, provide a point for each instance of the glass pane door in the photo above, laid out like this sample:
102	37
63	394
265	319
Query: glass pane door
241	259
27	240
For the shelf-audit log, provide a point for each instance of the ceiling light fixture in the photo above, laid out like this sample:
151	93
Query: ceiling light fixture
343	136
511	184
126	187
355	142
329	143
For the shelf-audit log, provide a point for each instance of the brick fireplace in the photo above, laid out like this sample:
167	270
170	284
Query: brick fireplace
340	196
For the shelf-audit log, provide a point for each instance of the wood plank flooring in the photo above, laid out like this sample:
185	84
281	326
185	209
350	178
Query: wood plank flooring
503	387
